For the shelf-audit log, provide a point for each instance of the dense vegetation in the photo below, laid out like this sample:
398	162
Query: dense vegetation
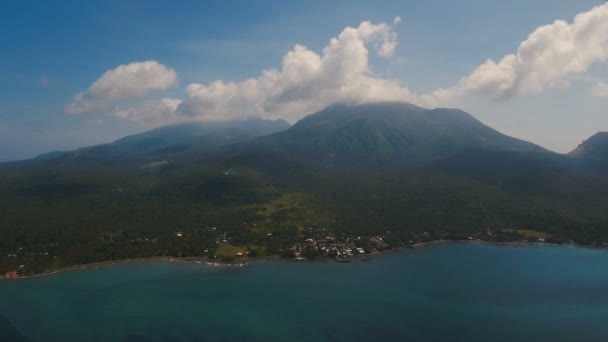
264	195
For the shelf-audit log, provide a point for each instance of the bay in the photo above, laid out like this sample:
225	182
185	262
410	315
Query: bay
443	292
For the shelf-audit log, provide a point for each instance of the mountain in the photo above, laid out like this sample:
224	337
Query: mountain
386	133
596	147
252	127
171	141
591	156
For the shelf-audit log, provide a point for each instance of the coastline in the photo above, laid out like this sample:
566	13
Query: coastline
246	260
101	264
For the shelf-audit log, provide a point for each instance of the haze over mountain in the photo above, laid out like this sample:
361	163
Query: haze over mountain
368	135
341	135
382	133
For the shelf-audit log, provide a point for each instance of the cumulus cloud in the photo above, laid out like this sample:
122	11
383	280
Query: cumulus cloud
122	83
600	89
547	58
306	82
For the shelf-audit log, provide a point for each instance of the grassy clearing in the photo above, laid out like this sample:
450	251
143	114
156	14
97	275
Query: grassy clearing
295	209
529	233
226	251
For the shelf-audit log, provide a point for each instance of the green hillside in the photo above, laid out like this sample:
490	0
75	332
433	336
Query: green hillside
389	133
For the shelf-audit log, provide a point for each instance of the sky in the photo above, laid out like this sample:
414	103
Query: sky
79	73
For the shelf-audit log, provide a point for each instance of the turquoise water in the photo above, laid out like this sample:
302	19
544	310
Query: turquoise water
448	292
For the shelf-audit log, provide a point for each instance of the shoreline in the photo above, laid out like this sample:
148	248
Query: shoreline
246	260
101	264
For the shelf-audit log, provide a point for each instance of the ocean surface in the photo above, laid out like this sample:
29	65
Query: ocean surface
444	292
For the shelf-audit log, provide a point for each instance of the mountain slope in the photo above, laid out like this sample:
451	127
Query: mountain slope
388	132
596	147
252	127
171	141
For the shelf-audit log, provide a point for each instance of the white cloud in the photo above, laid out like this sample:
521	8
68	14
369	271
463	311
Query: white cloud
600	89
306	82
122	83
547	58
151	112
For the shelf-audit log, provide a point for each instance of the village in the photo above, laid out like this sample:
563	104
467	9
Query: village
227	246
342	251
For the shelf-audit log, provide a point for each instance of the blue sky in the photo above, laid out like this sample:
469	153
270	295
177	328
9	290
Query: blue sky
53	51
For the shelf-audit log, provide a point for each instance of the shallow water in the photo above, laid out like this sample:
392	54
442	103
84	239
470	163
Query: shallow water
446	292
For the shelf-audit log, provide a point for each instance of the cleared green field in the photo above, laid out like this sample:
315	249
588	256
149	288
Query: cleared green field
227	250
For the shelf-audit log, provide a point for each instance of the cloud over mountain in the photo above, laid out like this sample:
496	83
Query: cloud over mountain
151	111
122	83
306	82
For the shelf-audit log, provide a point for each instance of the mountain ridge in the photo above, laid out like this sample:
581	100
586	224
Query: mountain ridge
172	139
385	132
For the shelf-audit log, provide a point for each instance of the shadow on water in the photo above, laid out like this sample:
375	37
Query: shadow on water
8	333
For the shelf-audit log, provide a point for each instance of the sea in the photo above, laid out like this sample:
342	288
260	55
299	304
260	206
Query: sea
442	292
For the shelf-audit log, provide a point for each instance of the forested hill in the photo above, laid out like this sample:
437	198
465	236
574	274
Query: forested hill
390	133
